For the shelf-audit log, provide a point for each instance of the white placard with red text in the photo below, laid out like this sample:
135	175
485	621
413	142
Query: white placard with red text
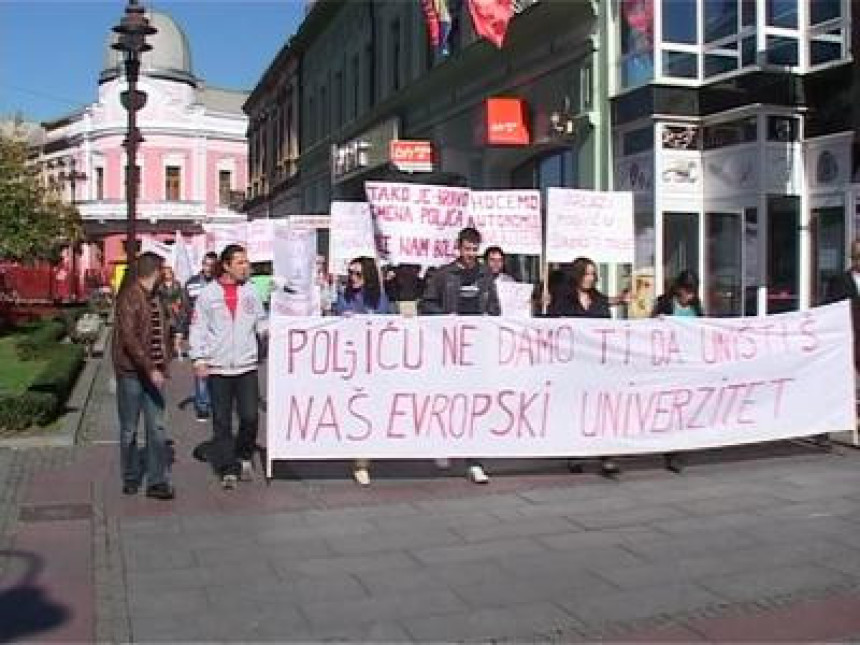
218	236
594	224
415	223
448	386
260	238
510	219
351	235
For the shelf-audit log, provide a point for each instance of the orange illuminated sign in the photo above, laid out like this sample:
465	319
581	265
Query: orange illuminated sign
506	122
411	156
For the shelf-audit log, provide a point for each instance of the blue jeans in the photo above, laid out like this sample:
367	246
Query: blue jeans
202	404
132	396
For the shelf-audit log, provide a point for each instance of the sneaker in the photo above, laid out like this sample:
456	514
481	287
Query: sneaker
574	466
443	463
609	468
361	476
247	472
477	475
130	488
228	482
160	491
674	463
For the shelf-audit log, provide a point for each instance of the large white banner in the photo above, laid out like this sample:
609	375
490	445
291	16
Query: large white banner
448	386
417	224
219	236
351	235
509	219
594	224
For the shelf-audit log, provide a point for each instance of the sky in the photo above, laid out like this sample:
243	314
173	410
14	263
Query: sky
51	51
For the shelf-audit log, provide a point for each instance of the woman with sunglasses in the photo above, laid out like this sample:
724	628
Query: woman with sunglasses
578	297
363	295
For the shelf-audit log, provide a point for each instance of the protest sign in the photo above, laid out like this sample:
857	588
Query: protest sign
351	235
510	219
515	298
260	237
594	224
183	260
162	250
295	253
218	236
448	386
415	223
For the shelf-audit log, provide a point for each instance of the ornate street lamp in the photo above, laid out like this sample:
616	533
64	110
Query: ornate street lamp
133	30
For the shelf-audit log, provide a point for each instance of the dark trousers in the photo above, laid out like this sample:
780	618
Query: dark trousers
225	450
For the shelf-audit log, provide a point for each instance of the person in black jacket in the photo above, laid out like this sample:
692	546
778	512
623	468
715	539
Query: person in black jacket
847	287
682	299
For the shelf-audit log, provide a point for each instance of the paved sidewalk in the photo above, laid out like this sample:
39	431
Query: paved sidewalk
756	543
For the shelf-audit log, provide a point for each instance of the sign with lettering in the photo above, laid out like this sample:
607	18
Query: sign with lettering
351	235
594	224
218	236
260	236
448	386
515	298
507	122
412	156
510	219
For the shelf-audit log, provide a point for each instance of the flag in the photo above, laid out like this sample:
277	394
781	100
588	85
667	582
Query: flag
182	263
639	15
491	18
444	20
431	18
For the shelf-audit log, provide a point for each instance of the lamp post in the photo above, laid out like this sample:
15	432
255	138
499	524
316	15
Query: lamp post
72	177
133	30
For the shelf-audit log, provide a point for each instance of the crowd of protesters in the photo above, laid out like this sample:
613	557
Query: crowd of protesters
220	316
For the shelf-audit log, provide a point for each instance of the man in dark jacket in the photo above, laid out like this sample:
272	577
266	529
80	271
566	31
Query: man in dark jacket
193	288
141	355
847	287
467	288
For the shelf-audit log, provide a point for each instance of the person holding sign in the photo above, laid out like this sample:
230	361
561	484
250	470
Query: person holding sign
228	316
494	258
580	298
682	299
464	287
363	295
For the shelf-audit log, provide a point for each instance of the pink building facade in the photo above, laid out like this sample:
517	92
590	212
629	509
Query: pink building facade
192	162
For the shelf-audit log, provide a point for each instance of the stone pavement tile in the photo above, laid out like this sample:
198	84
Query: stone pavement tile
287	533
440	576
629	517
455	520
663	634
518	623
733	504
477	504
155	581
238	552
820	491
156	557
691	526
367	512
578	540
167	602
572	563
345	564
772	582
575	490
516	528
287	592
381	632
821	620
807	528
840	507
674	547
345	613
634	604
393	541
477	551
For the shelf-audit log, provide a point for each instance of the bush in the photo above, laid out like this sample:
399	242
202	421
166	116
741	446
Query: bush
20	411
69	318
41	340
59	374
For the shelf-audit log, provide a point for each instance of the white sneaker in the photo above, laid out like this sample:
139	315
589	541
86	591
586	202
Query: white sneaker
228	482
443	463
247	470
361	476
477	475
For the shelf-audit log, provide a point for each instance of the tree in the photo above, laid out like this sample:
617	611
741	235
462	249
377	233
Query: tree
34	222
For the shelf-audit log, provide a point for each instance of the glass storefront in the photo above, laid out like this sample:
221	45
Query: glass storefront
783	254
680	245
828	255
723	287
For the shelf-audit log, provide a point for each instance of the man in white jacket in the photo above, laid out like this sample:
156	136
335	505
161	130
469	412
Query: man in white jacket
228	317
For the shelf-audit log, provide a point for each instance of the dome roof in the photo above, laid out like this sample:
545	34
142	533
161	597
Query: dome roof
170	56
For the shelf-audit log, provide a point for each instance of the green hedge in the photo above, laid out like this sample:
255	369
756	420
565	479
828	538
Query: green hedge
40	341
59	374
20	411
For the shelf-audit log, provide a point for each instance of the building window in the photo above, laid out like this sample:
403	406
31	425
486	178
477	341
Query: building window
680	64
781	50
100	183
730	133
395	55
680	245
781	13
172	183
824	10
637	141
724	288
782	129
679	21
225	179
721	19
637	42
825	48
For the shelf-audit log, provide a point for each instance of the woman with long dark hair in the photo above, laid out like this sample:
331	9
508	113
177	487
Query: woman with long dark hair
578	297
363	295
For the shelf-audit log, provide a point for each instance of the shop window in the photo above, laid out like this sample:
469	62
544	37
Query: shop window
752	262
637	141
748	51
781	50
783	129
679	21
637	42
172	187
225	180
748	8
716	64
644	236
823	10
723	287
680	245
825	48
828	227
721	19
781	13
731	133
783	251
680	64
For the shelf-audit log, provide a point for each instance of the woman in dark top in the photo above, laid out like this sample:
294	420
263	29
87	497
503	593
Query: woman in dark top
578	297
682	299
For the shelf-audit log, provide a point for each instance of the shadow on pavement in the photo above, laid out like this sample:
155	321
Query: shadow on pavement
25	610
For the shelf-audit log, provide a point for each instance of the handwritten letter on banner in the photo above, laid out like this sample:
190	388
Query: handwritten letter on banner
418	224
598	225
495	387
